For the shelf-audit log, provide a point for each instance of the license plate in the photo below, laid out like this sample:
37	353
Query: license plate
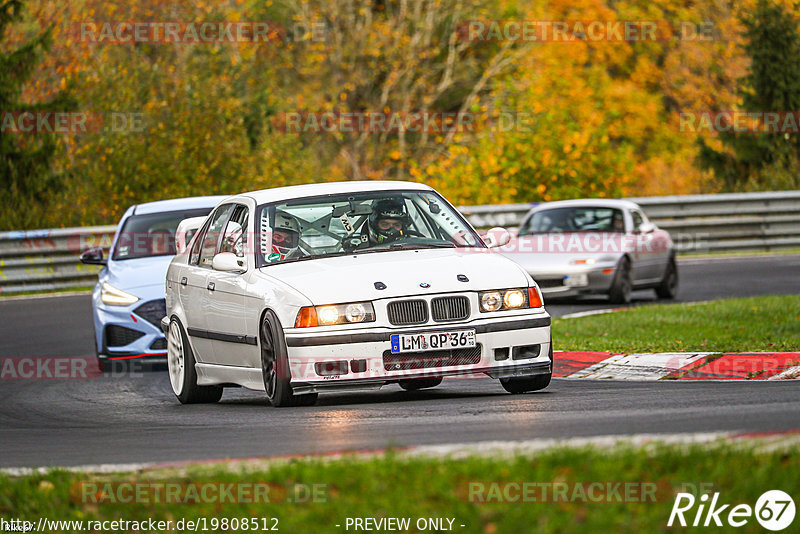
576	280
457	339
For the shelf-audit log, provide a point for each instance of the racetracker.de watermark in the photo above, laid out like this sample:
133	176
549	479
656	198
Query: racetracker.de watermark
47	367
739	122
394	122
70	122
579	491
177	32
206	492
77	367
572	31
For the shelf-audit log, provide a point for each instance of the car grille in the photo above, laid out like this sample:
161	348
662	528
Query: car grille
450	309
159	344
552	282
152	311
434	358
119	336
406	312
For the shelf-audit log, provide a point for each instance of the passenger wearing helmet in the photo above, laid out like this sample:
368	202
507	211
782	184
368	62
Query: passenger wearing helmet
285	237
388	222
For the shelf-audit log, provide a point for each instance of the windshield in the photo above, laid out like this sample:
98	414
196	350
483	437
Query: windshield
577	219
144	236
359	223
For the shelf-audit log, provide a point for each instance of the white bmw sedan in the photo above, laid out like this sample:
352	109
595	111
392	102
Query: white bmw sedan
305	289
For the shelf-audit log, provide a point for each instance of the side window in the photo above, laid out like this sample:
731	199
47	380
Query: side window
637	220
194	255
209	241
235	237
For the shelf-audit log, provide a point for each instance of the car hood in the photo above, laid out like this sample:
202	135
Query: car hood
353	277
555	253
139	273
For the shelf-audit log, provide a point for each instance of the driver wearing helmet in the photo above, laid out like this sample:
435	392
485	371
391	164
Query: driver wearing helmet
285	237
388	222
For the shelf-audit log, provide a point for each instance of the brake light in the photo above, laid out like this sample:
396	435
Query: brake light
306	317
533	298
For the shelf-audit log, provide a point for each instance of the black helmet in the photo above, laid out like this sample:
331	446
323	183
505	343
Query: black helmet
387	209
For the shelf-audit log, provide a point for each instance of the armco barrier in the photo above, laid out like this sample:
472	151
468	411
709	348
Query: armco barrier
48	259
42	260
697	223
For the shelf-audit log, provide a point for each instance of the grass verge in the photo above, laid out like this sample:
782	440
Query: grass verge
758	324
394	486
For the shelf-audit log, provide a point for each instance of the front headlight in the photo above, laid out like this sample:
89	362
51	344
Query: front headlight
509	299
350	313
514	298
116	297
491	301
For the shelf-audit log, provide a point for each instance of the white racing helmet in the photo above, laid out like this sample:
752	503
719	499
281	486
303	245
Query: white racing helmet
285	234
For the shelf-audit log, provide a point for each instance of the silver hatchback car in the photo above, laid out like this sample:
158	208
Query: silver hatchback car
585	247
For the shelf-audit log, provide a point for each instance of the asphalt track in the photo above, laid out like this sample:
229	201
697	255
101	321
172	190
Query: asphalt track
135	417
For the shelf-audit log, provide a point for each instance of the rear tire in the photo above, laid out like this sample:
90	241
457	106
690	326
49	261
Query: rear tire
182	374
275	366
668	288
621	289
420	383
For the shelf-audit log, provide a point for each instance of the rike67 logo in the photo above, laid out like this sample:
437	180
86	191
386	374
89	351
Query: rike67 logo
774	511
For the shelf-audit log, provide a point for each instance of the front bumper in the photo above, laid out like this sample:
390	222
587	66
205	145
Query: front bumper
507	371
149	345
506	347
597	281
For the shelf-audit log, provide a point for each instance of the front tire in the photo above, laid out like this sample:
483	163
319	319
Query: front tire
516	386
182	374
523	385
668	288
622	287
275	366
420	383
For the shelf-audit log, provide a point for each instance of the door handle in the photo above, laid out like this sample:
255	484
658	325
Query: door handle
183	281
211	286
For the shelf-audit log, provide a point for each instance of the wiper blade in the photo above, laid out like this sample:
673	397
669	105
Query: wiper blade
410	246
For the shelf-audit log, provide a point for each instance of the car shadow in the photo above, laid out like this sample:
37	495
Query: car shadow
378	397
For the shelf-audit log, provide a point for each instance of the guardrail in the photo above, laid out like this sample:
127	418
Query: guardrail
39	260
697	223
44	260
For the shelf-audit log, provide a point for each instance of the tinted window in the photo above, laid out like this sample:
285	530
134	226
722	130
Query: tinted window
149	235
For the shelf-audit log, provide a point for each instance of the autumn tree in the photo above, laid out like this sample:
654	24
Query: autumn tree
394	56
759	159
25	160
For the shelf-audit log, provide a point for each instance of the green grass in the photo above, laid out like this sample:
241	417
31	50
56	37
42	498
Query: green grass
758	324
393	486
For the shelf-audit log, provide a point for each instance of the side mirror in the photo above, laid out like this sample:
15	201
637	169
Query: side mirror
93	256
228	262
646	228
497	237
185	231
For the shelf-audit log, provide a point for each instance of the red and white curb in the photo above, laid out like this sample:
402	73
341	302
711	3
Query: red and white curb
677	365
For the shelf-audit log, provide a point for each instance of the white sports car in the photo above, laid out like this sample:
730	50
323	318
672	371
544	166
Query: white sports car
595	246
298	290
